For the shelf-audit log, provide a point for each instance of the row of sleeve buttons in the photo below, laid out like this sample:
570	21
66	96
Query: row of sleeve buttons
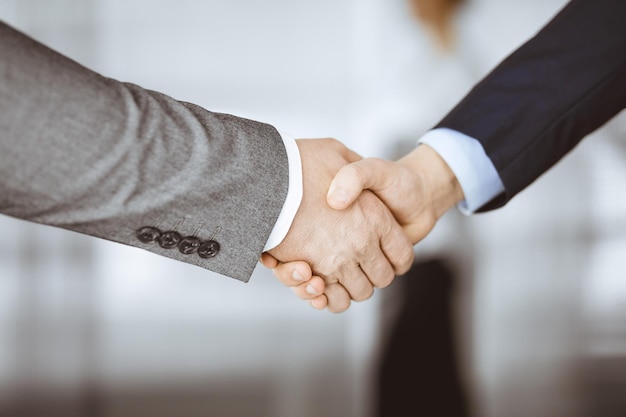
186	245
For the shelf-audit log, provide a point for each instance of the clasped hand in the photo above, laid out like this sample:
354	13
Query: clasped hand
358	221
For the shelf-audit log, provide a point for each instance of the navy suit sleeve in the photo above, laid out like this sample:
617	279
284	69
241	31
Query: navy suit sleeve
561	85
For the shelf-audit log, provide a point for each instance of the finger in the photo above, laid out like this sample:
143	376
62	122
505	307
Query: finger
268	260
293	273
352	179
320	302
311	289
387	251
338	298
397	247
378	269
355	281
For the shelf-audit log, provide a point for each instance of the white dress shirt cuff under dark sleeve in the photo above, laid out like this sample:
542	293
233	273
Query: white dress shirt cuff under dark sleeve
470	164
294	195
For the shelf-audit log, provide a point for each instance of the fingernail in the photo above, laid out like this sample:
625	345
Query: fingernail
296	275
311	290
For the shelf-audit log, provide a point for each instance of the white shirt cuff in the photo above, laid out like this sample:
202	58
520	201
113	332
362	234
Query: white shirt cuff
294	194
470	164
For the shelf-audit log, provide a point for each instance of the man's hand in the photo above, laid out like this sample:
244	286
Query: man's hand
418	189
353	250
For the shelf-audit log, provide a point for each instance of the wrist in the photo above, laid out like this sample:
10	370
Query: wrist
436	177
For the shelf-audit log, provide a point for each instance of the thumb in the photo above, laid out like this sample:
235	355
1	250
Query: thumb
268	260
352	179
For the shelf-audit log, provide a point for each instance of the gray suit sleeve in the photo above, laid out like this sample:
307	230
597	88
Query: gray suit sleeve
113	160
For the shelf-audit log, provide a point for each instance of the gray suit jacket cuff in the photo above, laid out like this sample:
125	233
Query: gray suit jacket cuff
117	161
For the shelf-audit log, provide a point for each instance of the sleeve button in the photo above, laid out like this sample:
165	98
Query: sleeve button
169	240
208	249
189	245
148	234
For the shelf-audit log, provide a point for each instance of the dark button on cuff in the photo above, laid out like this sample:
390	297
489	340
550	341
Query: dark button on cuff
148	234
189	245
169	240
208	249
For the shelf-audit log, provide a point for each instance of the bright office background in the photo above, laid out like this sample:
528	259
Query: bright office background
91	328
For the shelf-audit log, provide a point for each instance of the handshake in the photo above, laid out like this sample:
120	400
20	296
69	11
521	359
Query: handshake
358	221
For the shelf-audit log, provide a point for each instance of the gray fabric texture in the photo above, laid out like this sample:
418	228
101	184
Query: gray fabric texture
104	158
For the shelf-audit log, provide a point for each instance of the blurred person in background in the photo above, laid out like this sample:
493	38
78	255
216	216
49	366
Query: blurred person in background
438	17
583	67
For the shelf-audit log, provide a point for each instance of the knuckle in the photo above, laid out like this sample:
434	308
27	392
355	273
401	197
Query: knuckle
363	248
405	261
363	293
386	279
339	307
367	294
338	298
